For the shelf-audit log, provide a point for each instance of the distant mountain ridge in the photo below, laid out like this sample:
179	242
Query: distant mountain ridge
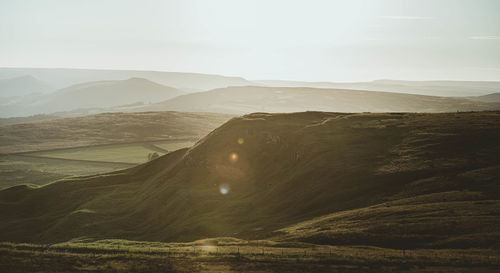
64	77
195	82
96	91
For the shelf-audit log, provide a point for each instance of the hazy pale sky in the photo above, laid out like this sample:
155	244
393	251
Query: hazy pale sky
313	40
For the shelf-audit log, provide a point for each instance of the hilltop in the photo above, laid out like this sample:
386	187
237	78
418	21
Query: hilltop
263	175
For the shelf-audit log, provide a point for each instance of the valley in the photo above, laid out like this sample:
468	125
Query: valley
95	144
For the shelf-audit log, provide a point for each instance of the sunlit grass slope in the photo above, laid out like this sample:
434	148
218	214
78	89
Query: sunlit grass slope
124	153
375	178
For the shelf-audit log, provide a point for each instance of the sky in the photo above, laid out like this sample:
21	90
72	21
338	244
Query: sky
309	40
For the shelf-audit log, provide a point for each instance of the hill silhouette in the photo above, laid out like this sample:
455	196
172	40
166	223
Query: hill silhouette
92	95
262	175
64	77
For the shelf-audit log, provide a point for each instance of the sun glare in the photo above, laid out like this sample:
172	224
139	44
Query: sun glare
224	189
233	157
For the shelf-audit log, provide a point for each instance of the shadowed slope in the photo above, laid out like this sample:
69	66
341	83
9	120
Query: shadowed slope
276	169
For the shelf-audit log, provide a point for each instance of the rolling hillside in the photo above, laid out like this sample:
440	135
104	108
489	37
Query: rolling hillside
91	95
112	93
494	97
242	100
41	152
263	175
111	128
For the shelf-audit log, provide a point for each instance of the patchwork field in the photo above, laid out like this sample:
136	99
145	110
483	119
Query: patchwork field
105	129
40	168
20	169
41	152
133	153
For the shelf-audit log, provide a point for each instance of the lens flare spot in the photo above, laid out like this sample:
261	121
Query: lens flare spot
224	189
233	157
241	140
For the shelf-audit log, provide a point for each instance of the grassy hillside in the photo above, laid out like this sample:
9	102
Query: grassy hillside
42	152
451	219
242	100
25	169
119	153
109	128
42	167
260	173
234	255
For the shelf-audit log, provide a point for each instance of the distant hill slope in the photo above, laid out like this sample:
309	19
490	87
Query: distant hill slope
113	93
495	97
91	94
242	100
108	128
430	88
64	77
195	82
28	119
23	85
260	173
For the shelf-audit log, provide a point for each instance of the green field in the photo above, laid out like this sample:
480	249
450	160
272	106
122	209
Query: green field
18	169
45	151
39	168
134	153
